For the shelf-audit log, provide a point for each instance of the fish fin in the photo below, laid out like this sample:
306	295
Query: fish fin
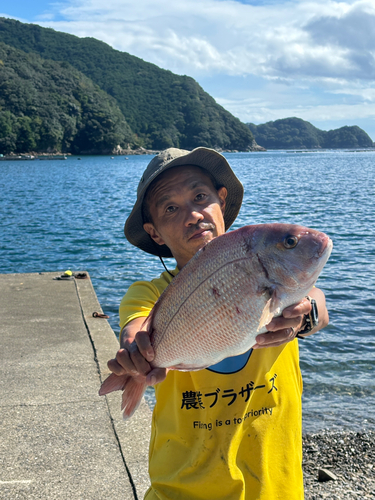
145	324
181	367
113	383
132	395
133	389
148	323
270	310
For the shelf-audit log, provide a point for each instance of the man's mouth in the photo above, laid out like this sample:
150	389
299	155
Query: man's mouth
200	229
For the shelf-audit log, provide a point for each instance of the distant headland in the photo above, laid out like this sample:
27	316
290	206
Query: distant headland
63	94
294	133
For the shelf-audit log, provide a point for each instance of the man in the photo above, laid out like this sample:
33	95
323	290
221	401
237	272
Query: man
234	430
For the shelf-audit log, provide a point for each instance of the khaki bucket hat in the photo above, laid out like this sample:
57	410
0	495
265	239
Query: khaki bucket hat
206	158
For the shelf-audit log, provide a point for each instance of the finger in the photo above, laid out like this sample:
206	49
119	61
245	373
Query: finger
140	363
124	360
274	339
142	339
156	376
115	367
265	346
281	323
300	309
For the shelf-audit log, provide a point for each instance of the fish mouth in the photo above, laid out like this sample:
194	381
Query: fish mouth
326	246
322	243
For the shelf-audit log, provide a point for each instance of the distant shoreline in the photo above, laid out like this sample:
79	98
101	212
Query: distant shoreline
142	151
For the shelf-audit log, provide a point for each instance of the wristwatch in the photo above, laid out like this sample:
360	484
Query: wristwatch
311	320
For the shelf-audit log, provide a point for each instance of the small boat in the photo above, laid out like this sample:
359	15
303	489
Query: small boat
17	157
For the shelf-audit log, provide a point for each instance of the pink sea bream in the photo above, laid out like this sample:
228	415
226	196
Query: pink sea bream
224	296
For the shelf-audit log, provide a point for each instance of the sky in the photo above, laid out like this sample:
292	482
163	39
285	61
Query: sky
261	60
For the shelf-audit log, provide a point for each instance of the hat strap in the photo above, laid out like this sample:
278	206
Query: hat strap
160	257
165	267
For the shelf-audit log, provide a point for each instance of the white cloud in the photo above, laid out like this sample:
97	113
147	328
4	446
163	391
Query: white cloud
289	39
367	95
258	111
301	57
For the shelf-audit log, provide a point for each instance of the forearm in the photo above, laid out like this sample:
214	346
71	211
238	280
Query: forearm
136	353
129	331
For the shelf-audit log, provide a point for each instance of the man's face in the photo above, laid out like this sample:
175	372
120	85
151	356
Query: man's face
186	211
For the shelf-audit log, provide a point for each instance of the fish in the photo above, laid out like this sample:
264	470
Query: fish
225	296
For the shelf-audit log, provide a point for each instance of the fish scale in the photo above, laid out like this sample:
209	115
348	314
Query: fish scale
225	296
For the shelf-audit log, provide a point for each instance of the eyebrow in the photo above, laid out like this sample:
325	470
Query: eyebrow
162	200
191	187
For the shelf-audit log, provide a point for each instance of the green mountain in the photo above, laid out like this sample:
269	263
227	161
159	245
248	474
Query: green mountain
162	109
50	106
294	133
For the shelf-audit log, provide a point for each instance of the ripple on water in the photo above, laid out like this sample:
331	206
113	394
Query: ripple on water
57	215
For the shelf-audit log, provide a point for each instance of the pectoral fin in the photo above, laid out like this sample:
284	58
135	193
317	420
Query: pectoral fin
270	310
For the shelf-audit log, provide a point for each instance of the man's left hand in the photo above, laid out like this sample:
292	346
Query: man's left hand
284	328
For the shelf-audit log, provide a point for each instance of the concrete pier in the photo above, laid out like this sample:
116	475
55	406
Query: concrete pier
58	438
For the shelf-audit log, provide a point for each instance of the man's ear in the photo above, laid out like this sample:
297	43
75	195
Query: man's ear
222	194
151	230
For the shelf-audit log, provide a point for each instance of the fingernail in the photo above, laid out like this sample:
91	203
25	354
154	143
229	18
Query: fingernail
287	314
260	340
152	380
150	355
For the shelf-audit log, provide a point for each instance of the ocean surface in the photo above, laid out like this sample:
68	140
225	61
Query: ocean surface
59	215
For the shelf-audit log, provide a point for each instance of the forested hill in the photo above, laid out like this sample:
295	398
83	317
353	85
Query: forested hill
159	109
50	106
294	133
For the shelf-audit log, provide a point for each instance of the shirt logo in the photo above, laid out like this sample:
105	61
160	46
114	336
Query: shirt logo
231	365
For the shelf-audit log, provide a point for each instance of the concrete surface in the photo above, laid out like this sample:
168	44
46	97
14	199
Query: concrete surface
58	438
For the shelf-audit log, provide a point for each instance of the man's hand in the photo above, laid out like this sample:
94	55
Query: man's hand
136	354
284	328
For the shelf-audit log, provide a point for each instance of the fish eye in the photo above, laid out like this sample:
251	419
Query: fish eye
290	241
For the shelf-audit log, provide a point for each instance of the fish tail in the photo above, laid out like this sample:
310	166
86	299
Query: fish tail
113	383
132	395
133	389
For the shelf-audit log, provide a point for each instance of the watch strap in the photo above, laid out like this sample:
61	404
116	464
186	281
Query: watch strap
311	319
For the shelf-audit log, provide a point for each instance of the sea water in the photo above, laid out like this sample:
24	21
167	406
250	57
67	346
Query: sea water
69	214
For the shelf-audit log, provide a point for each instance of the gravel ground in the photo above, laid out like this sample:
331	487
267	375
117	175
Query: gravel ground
349	456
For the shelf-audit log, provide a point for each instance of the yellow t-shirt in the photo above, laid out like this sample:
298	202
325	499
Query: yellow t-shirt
229	432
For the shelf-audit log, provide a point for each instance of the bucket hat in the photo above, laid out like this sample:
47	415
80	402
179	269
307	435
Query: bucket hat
209	159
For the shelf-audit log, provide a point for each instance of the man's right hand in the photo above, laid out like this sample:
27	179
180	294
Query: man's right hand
136	354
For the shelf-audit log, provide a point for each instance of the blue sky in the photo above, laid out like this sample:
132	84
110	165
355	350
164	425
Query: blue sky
261	60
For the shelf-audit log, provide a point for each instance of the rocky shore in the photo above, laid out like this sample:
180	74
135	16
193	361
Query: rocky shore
142	151
339	465
117	151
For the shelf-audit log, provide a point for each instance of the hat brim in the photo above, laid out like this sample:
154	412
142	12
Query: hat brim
208	159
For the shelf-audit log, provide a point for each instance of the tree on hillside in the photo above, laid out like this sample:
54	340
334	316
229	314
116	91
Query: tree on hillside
50	106
161	108
294	133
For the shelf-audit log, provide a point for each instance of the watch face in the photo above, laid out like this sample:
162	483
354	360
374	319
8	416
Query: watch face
314	314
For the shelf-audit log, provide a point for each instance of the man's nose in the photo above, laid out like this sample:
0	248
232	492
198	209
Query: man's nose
193	216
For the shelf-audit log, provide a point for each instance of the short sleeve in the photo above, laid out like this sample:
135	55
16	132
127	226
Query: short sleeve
138	301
